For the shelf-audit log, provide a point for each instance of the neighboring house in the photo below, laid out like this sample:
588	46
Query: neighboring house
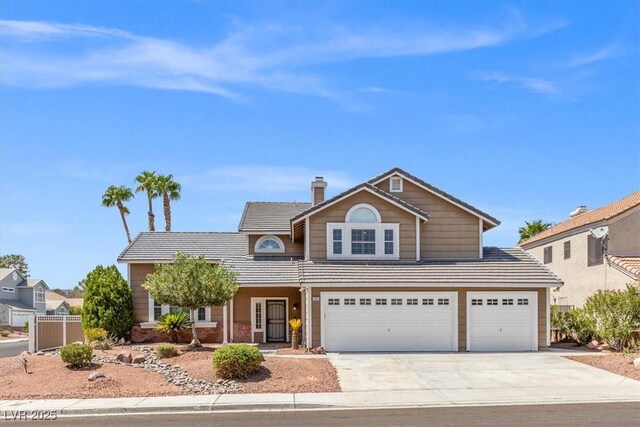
58	307
20	297
584	262
69	302
392	264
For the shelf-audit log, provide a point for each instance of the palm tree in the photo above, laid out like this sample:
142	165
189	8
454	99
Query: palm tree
116	196
147	181
169	190
532	228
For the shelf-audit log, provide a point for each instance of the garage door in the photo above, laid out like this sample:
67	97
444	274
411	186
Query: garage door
502	321
19	318
384	321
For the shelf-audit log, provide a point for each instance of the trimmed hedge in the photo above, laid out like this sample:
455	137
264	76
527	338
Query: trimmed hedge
236	361
76	355
166	350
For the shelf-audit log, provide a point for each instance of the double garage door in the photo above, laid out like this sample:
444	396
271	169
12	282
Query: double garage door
427	321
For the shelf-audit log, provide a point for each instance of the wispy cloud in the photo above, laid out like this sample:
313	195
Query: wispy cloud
271	57
264	179
599	55
532	84
382	90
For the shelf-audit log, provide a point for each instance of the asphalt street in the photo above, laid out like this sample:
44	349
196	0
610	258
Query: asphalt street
605	414
13	348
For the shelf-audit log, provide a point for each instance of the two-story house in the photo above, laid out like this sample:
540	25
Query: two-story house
593	249
20	297
392	264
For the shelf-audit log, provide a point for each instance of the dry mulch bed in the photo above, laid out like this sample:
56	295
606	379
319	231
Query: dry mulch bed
13	335
278	374
288	351
618	363
49	378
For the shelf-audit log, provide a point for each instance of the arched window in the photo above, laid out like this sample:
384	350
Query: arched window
363	213
269	244
39	292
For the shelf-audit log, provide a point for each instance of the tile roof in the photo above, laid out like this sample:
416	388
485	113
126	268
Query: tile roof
4	272
73	302
630	264
163	245
365	185
19	305
436	190
54	304
590	217
270	271
510	266
30	283
270	216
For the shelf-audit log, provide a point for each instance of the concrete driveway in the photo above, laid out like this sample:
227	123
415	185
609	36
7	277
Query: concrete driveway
469	378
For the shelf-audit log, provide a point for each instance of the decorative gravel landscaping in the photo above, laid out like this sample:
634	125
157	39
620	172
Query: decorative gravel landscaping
189	373
618	363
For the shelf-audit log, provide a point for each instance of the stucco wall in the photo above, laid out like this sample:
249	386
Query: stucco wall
624	234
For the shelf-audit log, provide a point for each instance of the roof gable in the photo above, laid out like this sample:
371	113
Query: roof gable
603	213
434	190
390	198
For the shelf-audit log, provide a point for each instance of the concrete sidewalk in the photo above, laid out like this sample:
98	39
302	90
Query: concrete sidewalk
345	400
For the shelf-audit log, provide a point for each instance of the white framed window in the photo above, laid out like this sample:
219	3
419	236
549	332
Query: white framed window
8	290
269	244
257	315
363	235
203	314
395	184
39	294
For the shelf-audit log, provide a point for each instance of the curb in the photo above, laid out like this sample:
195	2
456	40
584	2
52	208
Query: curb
13	340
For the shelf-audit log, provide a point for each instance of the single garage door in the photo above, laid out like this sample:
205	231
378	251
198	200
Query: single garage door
19	318
389	321
502	321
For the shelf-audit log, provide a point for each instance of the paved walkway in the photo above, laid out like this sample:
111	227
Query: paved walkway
398	380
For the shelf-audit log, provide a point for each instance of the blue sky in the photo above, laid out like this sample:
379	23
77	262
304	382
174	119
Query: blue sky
524	110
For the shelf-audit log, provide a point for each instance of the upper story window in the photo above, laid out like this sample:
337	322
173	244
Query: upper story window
269	244
363	235
39	294
548	254
595	251
8	290
395	184
567	249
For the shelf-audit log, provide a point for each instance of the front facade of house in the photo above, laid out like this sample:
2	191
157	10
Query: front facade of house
393	264
585	262
20	297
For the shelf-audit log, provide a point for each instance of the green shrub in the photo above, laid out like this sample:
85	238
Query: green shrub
95	334
25	327
236	361
614	315
166	350
76	355
108	303
76	311
5	333
173	323
579	325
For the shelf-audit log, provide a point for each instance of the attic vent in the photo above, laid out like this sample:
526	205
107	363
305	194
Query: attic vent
396	184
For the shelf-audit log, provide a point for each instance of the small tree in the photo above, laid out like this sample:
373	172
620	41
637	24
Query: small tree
191	282
15	261
108	303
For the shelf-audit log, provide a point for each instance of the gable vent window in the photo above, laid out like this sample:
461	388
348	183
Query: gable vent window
269	244
443	301
492	301
365	301
567	249
476	302
427	301
396	184
412	301
548	254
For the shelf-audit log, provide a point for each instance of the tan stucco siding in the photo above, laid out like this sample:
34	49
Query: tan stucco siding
138	274
389	213
451	232
290	248
462	308
624	234
580	280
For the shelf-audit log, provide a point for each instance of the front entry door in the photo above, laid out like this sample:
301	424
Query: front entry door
276	321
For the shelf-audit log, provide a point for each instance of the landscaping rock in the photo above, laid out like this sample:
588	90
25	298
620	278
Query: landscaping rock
124	357
25	354
603	347
139	359
636	363
593	345
95	375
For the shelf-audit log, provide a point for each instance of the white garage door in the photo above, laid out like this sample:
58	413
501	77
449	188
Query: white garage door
389	321
502	321
19	318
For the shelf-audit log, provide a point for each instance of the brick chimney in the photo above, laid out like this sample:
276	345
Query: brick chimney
318	187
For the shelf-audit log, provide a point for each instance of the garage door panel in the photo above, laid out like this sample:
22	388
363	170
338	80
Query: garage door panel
403	324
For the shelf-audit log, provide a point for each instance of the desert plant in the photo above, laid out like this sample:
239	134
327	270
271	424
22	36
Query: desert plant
169	190
147	181
95	334
173	323
108	303
166	350
532	228
5	333
295	327
116	196
105	343
236	361
76	355
614	315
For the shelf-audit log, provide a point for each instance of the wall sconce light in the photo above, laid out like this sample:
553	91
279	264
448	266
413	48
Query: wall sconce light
295	306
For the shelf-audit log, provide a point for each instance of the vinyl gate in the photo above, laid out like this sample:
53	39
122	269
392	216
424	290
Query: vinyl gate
49	332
